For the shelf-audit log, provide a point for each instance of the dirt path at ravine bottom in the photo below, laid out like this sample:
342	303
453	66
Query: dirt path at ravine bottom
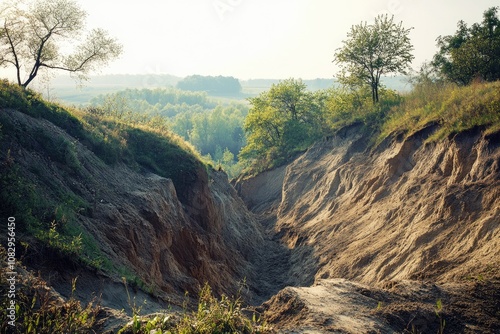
272	271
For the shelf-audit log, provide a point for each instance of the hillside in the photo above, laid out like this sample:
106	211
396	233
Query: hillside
106	201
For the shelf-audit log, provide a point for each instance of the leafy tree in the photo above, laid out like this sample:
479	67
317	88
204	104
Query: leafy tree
281	121
472	52
218	128
32	38
373	50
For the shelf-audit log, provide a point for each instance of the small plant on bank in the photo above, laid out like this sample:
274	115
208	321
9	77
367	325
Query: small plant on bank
213	315
442	322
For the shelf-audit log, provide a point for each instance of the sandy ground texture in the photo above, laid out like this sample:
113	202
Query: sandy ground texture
342	306
407	214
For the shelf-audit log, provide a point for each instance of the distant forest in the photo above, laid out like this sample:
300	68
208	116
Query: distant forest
219	85
63	87
213	126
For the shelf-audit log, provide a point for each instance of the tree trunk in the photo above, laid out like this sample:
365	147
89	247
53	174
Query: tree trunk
375	91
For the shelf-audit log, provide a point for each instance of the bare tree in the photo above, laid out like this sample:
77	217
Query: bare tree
34	35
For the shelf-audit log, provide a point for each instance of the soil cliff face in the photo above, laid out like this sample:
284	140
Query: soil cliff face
368	238
136	218
378	235
404	210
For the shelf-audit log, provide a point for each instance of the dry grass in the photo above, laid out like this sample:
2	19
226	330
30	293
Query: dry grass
455	109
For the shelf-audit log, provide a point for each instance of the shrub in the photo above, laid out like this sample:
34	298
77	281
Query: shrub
224	315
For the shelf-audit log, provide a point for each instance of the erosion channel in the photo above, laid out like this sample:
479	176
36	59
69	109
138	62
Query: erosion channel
350	237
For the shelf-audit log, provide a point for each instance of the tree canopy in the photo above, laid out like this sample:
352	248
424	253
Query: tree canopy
281	121
373	50
472	52
32	38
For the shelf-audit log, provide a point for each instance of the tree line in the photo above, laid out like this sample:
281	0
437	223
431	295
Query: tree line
213	85
213	127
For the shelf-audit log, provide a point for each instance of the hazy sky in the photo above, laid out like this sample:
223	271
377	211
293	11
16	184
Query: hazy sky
260	38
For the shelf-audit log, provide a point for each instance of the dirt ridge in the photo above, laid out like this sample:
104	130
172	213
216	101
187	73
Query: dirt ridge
406	210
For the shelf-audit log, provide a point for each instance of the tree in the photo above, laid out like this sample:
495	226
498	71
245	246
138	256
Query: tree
32	38
472	52
374	50
281	121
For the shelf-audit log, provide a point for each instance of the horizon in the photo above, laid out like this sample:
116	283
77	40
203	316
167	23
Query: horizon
259	40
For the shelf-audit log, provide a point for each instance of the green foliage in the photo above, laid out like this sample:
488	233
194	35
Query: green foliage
69	246
219	85
373	50
49	220
163	156
282	121
349	106
438	310
212	127
12	97
60	150
472	53
224	315
18	196
34	36
220	128
163	101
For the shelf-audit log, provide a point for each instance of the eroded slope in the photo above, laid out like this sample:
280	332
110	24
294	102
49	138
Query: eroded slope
136	220
379	237
406	210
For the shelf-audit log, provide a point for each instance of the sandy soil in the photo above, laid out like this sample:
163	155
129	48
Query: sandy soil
381	234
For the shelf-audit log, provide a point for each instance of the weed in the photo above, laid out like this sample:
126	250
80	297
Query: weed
224	315
442	322
68	246
38	311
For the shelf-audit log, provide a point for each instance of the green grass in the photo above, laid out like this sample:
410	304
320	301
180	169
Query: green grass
455	109
213	315
37	311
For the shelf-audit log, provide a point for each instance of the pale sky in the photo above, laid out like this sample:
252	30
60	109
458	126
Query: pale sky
260	38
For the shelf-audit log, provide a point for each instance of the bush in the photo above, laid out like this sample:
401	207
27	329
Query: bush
346	107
